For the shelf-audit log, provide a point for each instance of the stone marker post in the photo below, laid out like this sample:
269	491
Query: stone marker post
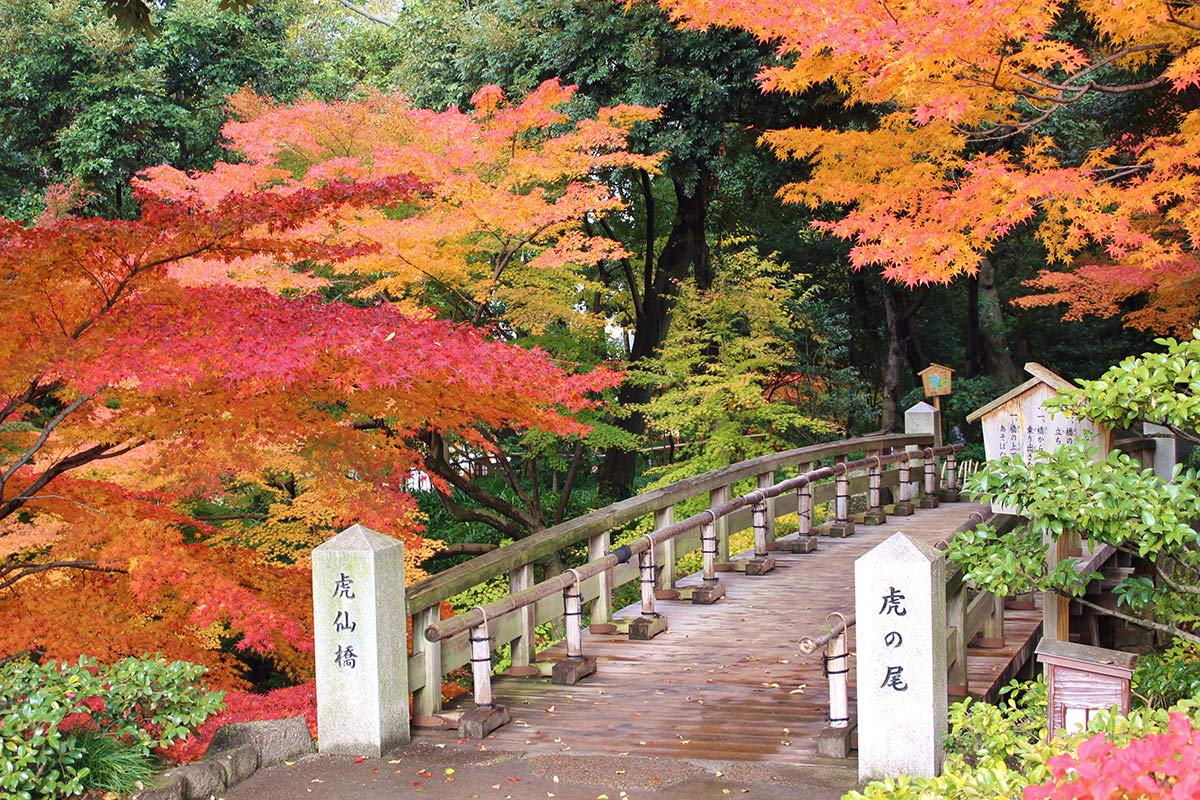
359	625
900	628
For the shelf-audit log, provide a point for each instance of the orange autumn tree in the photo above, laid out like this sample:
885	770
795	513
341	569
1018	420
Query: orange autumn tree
962	152
503	236
500	235
129	384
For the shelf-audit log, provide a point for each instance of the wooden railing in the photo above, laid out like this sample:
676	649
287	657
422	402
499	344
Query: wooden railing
443	645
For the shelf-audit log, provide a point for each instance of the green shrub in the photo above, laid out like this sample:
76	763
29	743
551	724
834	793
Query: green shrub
51	713
113	765
1163	679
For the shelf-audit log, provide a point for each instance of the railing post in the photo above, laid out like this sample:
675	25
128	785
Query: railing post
721	526
361	646
842	526
663	518
904	506
711	589
601	607
427	700
650	623
930	498
766	481
835	740
956	624
993	626
763	562
576	665
523	647
805	541
875	514
949	492
487	715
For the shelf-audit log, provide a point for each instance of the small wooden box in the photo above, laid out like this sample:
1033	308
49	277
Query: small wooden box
1083	680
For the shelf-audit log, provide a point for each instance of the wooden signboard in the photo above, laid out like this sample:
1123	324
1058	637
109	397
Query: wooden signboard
936	380
1017	424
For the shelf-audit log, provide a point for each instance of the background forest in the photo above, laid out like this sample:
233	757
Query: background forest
564	231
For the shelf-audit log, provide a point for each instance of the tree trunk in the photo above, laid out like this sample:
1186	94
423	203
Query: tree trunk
974	366
685	253
993	349
892	362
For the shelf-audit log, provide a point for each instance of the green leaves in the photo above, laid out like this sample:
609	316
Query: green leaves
54	712
1160	387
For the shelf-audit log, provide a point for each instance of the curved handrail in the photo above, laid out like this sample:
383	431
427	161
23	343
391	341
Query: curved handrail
432	590
477	616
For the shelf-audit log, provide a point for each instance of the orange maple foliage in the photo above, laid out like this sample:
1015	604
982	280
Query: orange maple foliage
499	232
125	389
930	189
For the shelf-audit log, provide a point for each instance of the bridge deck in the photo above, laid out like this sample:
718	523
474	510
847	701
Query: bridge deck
727	681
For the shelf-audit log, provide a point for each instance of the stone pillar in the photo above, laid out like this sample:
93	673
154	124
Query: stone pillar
359	626
900	630
1164	449
923	418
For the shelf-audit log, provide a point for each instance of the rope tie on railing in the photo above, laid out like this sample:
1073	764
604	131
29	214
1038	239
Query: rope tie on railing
480	640
827	659
826	662
648	567
578	604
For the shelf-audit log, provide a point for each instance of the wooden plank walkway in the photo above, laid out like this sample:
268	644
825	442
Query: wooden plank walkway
727	682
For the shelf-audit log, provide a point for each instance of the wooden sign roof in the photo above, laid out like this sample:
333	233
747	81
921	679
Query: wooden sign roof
1040	375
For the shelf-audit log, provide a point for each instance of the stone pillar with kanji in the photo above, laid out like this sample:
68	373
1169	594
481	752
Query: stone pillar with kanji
900	635
361	640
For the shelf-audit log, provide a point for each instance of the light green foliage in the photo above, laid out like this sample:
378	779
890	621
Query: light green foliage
1159	387
711	378
1163	679
1111	501
1114	501
53	711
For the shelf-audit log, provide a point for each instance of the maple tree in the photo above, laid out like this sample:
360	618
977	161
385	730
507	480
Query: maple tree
135	376
500	238
970	140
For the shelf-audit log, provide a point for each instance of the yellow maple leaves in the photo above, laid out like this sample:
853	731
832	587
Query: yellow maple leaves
931	186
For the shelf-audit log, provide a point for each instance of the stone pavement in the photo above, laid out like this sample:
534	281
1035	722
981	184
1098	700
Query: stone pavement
461	770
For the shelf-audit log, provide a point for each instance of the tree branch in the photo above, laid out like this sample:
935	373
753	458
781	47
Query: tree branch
1141	623
362	12
463	549
437	464
569	484
626	265
23	571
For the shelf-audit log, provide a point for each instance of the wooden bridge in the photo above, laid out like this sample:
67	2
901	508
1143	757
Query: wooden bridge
728	678
729	681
